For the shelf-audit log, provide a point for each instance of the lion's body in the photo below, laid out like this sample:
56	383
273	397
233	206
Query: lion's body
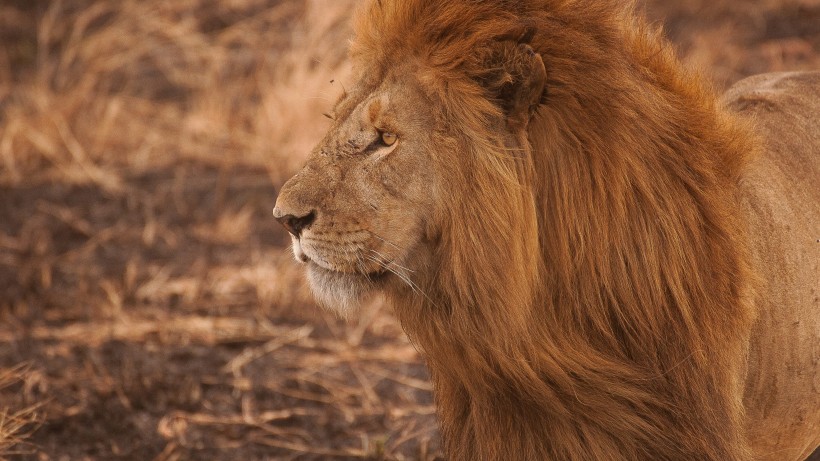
781	200
579	231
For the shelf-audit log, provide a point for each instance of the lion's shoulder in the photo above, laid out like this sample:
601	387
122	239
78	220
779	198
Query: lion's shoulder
775	96
784	112
781	204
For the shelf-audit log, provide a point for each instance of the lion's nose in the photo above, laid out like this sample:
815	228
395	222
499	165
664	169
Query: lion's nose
294	224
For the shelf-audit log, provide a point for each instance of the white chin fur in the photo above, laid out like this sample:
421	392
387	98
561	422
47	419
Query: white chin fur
340	293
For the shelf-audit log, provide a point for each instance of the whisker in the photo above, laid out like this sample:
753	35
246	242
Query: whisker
362	266
404	277
383	262
359	264
386	260
387	241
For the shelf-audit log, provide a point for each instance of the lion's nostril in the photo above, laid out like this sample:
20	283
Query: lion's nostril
296	224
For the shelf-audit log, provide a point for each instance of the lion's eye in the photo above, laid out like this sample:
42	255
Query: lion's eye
389	138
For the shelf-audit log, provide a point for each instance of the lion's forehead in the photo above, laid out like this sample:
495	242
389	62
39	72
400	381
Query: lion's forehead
349	101
397	93
354	125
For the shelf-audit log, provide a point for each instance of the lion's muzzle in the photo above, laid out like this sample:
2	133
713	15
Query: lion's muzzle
292	223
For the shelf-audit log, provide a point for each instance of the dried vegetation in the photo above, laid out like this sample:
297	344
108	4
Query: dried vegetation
149	309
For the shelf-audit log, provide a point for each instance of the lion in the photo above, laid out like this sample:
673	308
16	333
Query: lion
598	258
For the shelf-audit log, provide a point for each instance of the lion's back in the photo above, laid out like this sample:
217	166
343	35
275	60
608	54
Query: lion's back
781	200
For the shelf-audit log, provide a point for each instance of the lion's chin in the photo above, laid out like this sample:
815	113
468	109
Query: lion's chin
342	292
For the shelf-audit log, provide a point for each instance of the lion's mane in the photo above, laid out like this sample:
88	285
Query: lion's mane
592	297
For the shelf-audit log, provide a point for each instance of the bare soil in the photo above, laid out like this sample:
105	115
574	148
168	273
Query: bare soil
149	307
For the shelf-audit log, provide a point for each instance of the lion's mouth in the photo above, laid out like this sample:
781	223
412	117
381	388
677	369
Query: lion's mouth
321	268
373	277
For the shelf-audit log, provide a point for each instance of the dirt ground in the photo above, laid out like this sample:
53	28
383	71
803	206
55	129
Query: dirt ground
149	307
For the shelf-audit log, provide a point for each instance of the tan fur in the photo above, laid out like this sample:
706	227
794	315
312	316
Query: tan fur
561	230
781	199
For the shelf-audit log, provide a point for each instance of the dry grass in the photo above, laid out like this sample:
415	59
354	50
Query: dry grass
142	279
16	423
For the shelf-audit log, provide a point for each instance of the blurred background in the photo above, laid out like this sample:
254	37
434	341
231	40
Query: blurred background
149	305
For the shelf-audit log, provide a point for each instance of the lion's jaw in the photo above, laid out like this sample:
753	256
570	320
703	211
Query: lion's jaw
360	211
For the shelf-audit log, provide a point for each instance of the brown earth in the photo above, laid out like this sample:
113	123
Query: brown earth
149	307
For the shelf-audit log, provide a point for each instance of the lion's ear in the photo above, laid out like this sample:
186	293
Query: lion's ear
515	78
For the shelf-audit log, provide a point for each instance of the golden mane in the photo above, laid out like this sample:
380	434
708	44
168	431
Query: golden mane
613	324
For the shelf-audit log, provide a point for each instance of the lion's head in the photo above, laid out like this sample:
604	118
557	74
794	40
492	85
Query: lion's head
413	157
362	211
542	192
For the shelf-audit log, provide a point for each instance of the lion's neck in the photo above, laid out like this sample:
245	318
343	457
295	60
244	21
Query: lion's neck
504	391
